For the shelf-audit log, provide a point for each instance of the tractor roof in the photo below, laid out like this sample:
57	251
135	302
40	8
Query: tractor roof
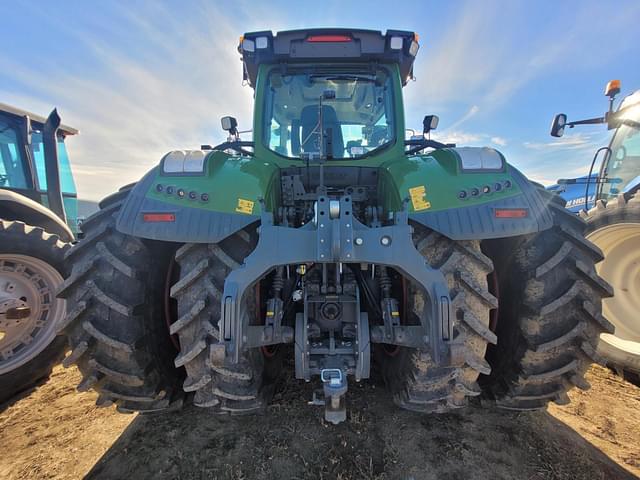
18	112
328	45
630	100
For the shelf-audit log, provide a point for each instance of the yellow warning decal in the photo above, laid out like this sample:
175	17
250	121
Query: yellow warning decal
244	206
418	199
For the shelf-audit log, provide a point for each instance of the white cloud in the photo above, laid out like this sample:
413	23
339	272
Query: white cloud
470	113
577	141
458	137
542	178
464	138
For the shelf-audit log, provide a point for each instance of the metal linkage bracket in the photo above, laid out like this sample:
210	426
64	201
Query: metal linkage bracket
328	240
402	335
352	356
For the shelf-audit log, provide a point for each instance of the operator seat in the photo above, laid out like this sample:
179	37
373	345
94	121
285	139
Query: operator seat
309	121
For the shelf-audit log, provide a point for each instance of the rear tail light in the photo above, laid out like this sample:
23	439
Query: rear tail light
159	217
511	212
328	38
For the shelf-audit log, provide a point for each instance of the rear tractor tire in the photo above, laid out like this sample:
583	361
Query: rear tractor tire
415	382
115	322
236	389
30	274
549	316
614	227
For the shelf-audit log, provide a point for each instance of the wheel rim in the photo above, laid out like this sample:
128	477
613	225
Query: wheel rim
29	309
620	244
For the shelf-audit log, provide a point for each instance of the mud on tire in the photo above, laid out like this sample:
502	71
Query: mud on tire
415	381
115	324
549	314
237	389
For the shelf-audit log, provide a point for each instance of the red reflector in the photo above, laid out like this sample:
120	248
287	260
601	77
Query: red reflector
329	38
159	217
511	212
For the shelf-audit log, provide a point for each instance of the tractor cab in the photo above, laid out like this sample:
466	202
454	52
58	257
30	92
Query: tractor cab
34	165
620	172
333	94
620	166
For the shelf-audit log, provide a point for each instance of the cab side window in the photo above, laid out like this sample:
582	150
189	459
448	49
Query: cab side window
622	167
66	177
12	173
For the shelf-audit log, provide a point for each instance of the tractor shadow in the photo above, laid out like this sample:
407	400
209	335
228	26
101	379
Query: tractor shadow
378	441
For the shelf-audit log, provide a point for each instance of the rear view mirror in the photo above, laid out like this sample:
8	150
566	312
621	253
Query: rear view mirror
329	95
429	123
558	124
229	124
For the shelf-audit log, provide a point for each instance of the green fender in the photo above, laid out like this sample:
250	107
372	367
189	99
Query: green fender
465	200
204	207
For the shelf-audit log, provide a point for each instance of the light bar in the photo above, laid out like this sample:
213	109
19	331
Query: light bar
328	38
319	44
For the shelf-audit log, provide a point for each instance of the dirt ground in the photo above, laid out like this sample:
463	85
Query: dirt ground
58	433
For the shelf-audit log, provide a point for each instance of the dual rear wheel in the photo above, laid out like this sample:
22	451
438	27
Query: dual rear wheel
549	318
548	321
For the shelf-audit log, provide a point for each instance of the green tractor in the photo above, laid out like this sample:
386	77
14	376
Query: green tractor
38	210
333	241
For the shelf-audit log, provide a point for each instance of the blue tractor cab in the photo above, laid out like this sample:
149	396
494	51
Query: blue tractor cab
36	182
620	166
38	223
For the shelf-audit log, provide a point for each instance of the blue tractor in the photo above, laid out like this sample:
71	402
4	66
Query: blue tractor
38	223
609	201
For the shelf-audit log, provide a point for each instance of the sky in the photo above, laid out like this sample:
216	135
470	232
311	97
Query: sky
141	78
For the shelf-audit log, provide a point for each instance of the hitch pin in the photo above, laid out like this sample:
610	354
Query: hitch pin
335	388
